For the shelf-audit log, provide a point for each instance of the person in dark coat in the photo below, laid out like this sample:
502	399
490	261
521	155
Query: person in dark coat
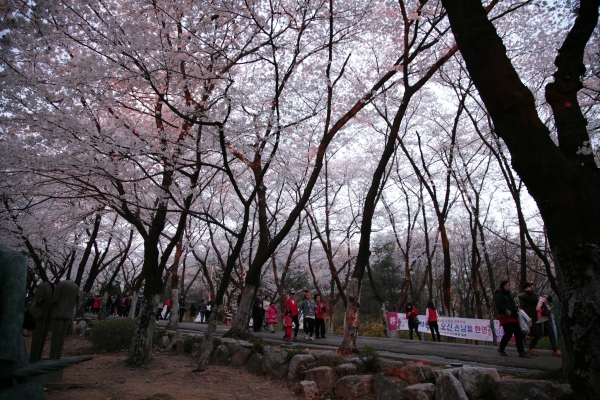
529	300
193	312
257	313
508	316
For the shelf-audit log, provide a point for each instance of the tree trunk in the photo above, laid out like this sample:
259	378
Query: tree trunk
140	351
564	183
239	324
134	299
207	340
174	317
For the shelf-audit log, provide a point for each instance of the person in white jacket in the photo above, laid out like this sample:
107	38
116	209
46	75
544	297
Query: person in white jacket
544	311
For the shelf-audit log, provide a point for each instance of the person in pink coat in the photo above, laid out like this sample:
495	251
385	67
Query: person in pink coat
272	316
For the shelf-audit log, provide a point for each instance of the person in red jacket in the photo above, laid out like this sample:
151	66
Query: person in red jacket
292	305
431	314
320	309
413	321
287	324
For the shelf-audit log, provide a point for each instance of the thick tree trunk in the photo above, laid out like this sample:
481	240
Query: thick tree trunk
239	324
207	341
174	317
351	319
134	299
564	182
140	351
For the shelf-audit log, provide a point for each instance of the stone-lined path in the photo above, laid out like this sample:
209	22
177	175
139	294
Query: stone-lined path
442	353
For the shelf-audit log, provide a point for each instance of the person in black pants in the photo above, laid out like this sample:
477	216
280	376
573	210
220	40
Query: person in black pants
432	320
508	315
257	313
413	321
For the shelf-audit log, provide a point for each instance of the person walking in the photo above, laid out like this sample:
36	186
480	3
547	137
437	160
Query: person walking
307	309
266	305
193	312
202	311
432	320
528	300
228	316
413	321
320	309
257	313
544	310
272	316
96	306
208	311
509	319
182	307
292	305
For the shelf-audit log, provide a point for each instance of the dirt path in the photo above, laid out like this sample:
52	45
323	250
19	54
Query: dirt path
108	377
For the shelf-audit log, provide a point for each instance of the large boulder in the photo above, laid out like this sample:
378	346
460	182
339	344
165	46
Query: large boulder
81	325
240	356
164	341
328	359
308	389
469	376
448	387
420	391
391	367
221	354
275	364
414	374
388	387
254	363
324	377
439	372
521	389
299	364
346	369
354	387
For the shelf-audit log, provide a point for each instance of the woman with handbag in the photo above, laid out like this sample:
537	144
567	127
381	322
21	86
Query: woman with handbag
509	319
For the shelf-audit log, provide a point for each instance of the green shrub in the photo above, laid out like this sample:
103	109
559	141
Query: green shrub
188	344
257	346
216	342
486	388
370	358
293	351
113	335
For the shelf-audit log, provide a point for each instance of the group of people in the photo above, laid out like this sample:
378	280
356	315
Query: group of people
537	308
313	313
412	314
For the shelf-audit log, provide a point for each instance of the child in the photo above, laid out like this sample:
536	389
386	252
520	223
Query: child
272	316
287	325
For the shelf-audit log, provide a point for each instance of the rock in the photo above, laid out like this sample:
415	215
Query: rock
388	387
324	377
354	387
469	376
299	364
163	342
438	372
346	369
420	391
240	356
81	325
221	354
308	389
563	391
360	364
87	331
232	344
328	359
254	363
391	367
414	374
449	388
275	364
177	346
520	389
245	344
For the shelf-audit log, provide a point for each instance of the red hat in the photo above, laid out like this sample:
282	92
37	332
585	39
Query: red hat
527	284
